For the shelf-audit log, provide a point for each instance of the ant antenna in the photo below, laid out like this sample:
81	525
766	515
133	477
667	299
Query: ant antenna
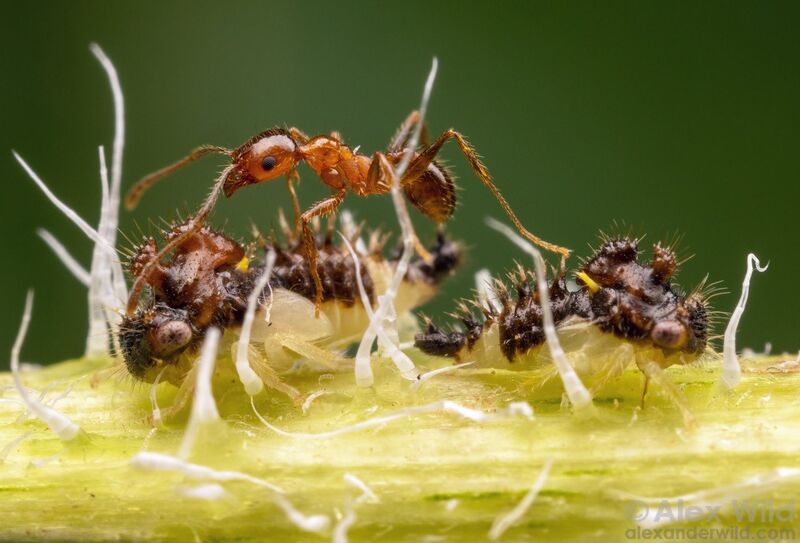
193	227
136	192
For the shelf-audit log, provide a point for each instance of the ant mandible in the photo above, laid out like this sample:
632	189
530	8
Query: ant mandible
277	152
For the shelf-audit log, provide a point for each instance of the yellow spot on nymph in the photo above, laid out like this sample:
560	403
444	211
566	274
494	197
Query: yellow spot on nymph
588	281
243	264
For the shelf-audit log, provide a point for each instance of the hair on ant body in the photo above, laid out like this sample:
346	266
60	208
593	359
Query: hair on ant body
209	279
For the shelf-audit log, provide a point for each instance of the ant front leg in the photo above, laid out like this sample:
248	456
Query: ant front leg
321	208
425	158
292	178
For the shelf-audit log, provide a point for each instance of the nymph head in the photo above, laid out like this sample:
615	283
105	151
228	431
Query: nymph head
264	157
153	337
637	301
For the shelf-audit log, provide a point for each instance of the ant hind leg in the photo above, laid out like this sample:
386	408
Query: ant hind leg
420	164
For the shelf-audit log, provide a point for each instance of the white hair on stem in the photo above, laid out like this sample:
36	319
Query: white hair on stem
106	281
398	357
112	212
349	517
504	522
577	393
153	461
74	267
90	232
447	406
204	408
208	492
363	368
416	385
483	287
156	411
747	352
310	399
307	523
252	383
708	500
59	423
103	303
417	133
5	451
367	495
350	230
731	370
344	524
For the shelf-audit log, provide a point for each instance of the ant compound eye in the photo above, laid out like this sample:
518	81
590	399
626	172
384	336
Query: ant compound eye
268	163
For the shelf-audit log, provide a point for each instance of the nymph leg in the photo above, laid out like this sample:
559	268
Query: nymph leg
653	372
308	350
185	392
269	377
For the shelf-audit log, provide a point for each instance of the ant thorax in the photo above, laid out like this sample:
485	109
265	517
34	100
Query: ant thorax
209	278
623	311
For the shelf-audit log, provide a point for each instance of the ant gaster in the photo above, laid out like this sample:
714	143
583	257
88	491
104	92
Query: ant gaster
277	152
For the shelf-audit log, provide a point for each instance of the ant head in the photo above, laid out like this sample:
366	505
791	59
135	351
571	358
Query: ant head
264	157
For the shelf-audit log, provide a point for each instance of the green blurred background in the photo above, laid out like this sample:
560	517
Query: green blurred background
669	117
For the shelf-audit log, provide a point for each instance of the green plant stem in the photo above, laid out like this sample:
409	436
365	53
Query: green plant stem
436	474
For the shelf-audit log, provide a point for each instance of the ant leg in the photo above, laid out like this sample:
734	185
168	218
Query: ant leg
191	228
400	138
292	178
136	192
298	135
381	173
424	159
323	207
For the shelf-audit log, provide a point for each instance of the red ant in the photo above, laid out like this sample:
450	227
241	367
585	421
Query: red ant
277	152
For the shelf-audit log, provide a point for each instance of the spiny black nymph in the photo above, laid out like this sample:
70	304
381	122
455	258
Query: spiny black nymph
616	292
